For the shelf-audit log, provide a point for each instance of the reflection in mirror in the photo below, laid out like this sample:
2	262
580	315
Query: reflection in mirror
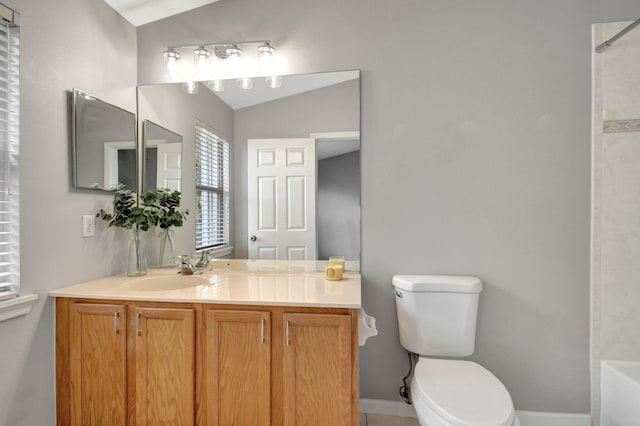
323	108
104	147
162	164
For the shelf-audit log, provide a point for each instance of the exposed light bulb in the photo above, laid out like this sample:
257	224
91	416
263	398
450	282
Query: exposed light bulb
202	59
191	87
273	81
233	51
245	83
266	49
171	69
216	85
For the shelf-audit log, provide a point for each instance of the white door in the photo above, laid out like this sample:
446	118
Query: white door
282	198
169	166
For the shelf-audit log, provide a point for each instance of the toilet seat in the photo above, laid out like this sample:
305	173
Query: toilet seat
462	393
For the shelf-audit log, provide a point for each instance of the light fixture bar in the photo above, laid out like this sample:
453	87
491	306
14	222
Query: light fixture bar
219	44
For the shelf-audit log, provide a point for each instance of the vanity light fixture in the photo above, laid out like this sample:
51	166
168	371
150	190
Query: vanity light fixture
203	55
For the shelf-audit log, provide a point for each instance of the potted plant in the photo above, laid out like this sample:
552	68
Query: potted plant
164	207
129	215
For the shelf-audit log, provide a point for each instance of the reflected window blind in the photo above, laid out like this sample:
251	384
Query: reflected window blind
212	188
9	156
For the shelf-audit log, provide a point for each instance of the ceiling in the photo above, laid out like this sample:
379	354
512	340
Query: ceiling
140	12
238	98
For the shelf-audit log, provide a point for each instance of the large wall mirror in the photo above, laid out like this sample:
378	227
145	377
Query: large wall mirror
104	144
264	124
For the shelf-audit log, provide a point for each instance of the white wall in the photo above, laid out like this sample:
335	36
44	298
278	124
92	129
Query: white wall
64	44
475	160
615	315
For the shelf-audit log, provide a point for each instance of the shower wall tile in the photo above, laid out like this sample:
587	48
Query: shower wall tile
621	74
620	247
615	246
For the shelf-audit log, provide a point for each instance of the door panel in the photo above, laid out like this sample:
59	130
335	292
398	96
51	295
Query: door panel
281	198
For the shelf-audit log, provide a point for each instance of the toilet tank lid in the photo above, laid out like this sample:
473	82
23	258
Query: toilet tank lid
438	283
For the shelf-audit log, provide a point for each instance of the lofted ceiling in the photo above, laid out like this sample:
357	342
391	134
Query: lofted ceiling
140	12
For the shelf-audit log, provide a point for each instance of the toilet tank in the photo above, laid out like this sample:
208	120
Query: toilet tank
437	313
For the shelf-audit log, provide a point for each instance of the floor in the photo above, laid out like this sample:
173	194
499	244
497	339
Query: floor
380	420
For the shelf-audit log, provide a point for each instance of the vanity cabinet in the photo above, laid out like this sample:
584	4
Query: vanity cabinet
161	365
317	369
238	367
152	363
97	364
124	364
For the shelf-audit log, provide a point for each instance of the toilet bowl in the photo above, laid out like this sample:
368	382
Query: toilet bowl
437	318
449	392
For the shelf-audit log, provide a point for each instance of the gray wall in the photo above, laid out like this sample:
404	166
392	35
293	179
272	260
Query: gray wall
338	206
171	107
330	109
475	142
64	44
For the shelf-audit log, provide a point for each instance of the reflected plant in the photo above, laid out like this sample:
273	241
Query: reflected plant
164	207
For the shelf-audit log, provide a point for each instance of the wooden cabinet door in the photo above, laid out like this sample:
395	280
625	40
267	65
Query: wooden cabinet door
317	369
162	366
238	368
97	364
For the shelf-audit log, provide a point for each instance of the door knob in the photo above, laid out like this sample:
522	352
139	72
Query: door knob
253	238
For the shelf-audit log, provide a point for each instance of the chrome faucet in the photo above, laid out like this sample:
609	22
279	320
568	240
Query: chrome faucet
203	262
185	267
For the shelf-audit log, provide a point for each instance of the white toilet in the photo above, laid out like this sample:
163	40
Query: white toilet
437	318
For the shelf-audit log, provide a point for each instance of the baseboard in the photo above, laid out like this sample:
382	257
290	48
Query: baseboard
527	418
539	418
387	408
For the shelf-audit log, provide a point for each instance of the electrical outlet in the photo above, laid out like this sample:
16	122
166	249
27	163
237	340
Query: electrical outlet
88	225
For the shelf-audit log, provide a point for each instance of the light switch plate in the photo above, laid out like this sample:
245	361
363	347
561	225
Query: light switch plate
88	225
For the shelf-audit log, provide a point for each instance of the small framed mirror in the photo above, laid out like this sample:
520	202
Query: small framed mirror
104	144
162	164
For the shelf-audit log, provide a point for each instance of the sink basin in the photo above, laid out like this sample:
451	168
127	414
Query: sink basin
166	283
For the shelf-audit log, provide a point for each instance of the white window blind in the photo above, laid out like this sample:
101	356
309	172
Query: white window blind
212	188
9	153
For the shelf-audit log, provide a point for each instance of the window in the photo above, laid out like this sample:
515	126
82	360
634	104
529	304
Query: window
9	154
212	188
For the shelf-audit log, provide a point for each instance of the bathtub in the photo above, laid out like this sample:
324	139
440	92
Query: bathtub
620	395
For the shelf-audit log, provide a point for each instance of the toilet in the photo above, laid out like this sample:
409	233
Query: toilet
437	318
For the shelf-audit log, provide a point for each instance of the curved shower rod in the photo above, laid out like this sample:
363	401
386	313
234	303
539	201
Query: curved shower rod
603	46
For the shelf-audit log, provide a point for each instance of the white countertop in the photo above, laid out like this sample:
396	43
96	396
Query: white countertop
247	287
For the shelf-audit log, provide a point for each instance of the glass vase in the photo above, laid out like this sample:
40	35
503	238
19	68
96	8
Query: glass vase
137	260
167	249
